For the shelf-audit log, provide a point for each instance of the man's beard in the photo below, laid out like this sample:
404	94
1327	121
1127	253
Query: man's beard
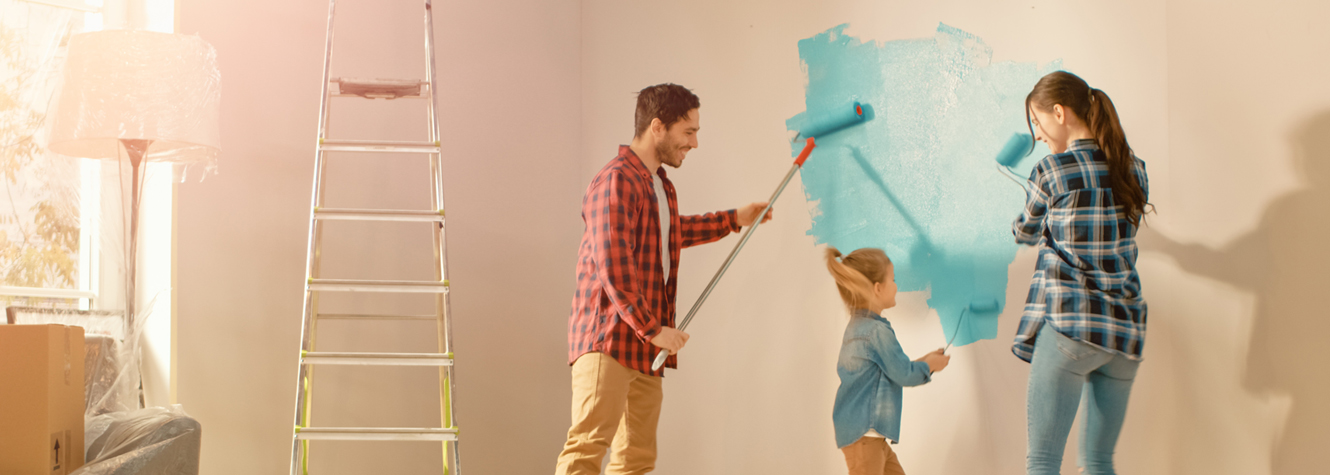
670	154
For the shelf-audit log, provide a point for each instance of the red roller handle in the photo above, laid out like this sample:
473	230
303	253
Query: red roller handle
804	154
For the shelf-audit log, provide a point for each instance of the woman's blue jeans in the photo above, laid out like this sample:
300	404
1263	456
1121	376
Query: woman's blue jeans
1061	371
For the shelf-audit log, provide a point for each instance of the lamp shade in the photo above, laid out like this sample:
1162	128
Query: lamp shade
143	85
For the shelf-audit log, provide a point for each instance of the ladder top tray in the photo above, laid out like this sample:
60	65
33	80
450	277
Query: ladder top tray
378	88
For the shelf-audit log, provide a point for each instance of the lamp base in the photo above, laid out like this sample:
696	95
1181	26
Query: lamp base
136	149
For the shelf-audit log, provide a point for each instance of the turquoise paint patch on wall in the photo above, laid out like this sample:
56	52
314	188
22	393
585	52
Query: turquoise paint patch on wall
919	180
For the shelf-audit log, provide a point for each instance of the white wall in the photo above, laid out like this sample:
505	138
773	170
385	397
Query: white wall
509	73
1226	103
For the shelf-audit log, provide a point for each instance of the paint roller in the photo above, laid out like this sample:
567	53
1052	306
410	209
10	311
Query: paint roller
831	120
1010	155
816	125
978	305
1018	146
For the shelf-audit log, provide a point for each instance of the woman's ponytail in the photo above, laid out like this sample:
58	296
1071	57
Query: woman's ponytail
1107	130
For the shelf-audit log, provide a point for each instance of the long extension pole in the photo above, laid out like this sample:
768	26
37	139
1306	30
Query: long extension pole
798	163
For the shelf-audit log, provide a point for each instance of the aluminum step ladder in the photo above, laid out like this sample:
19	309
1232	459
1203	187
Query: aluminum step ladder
370	89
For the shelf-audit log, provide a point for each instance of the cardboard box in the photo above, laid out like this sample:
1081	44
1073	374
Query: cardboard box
41	399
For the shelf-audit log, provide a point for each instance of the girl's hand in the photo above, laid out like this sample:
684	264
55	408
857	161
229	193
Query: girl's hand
936	360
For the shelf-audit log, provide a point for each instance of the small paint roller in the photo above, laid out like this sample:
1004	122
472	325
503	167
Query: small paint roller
1018	146
817	125
977	305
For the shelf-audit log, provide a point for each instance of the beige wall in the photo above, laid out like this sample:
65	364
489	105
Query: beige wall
510	108
1226	103
1240	260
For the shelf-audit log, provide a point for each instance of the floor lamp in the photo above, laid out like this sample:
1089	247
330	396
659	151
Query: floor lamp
143	96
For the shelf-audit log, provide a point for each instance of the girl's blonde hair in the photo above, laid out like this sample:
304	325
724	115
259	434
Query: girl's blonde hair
856	273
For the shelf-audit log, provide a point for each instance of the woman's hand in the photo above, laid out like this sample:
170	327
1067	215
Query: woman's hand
936	360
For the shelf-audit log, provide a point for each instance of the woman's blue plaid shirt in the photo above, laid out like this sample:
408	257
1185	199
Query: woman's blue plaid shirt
1085	283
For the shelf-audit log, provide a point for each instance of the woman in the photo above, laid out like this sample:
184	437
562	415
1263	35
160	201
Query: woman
1084	323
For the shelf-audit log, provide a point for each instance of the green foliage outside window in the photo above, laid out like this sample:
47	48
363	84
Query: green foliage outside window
39	220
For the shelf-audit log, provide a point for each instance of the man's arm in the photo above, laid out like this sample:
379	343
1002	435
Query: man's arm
611	214
710	227
700	229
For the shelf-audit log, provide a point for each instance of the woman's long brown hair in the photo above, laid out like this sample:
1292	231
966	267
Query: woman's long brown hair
1096	109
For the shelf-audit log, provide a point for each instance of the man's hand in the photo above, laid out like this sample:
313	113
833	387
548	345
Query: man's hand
936	360
748	214
670	338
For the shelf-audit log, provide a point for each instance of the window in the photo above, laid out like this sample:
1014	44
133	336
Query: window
61	232
48	245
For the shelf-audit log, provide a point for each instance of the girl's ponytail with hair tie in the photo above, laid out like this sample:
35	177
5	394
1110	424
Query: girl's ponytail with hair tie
855	278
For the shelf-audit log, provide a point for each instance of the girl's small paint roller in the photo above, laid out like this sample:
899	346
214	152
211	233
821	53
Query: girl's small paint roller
816	125
984	305
978	305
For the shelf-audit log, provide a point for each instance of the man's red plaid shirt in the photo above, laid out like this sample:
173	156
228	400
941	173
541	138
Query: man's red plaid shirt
623	296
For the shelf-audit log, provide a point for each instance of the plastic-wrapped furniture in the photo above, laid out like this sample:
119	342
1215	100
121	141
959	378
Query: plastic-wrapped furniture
152	441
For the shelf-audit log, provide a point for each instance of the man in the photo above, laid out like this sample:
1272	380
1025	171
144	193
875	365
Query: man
624	308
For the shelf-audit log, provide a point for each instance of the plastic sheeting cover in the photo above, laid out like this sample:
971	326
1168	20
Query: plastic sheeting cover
152	441
123	84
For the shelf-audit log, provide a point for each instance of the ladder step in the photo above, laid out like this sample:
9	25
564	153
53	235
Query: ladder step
327	145
375	433
376	359
348	316
348	214
378	88
395	286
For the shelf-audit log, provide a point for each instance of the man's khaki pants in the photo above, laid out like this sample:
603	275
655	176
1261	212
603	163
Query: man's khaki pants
607	396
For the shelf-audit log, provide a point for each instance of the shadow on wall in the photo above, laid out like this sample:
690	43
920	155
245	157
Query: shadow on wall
1285	262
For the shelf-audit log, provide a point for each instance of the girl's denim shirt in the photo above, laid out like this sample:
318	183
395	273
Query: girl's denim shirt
873	368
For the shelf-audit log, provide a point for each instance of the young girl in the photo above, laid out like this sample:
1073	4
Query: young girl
872	366
1084	321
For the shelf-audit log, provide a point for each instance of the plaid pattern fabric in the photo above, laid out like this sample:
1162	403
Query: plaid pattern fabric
623	296
1085	283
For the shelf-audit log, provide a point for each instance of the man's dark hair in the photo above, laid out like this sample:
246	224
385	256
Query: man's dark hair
668	102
